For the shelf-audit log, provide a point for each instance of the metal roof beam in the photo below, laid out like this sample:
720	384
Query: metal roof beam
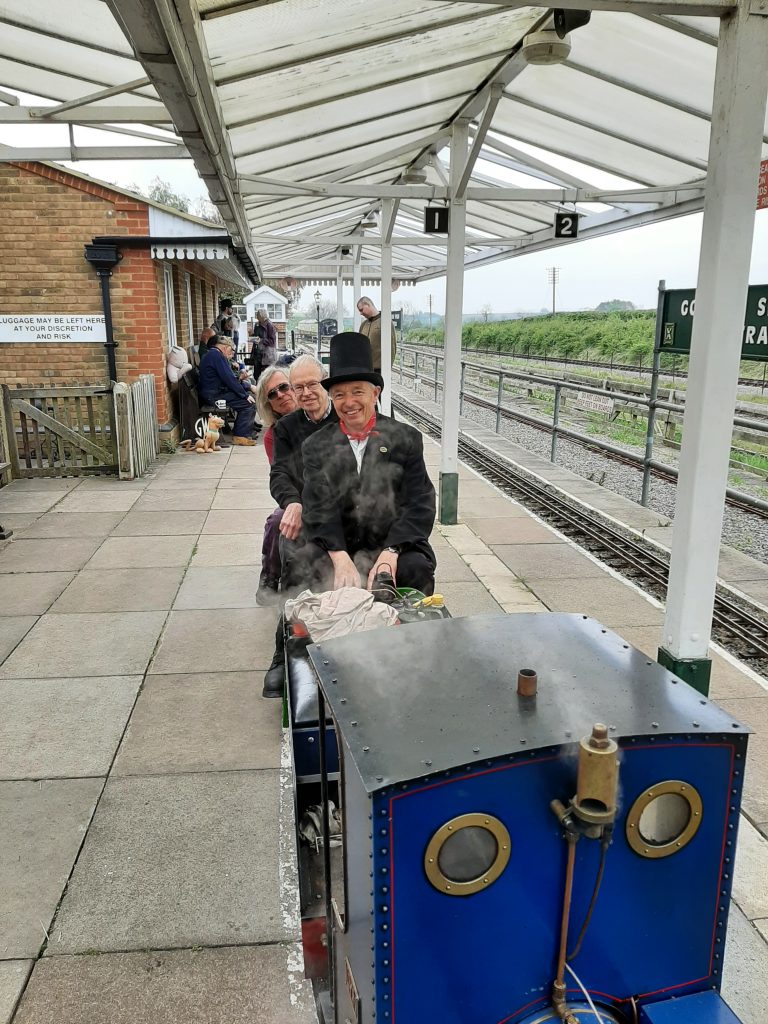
690	8
495	94
334	241
74	153
479	193
589	227
678	26
103	94
8	97
167	38
86	115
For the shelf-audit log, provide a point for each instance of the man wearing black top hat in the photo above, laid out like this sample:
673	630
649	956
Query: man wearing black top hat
368	505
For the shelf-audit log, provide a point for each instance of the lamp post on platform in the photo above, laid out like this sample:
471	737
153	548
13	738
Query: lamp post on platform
318	297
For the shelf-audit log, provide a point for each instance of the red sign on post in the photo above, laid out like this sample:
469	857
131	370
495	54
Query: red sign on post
762	187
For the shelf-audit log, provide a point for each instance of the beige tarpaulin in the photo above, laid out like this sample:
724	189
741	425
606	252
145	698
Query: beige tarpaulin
339	612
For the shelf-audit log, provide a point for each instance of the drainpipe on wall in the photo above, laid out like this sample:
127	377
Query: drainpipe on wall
103	258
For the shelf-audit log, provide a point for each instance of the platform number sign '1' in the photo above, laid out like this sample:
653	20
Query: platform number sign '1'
435	220
566	225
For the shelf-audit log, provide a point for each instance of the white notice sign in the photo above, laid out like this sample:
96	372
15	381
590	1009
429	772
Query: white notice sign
54	327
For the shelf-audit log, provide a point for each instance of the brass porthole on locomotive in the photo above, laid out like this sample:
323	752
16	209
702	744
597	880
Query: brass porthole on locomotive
467	854
664	819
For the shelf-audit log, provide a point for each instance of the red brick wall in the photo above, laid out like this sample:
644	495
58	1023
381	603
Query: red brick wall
48	215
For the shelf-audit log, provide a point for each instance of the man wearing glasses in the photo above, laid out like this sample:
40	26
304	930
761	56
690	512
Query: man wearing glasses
286	478
217	381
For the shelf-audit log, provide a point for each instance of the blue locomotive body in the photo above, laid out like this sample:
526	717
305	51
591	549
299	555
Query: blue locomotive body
462	852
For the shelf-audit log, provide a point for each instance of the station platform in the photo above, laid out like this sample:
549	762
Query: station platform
148	862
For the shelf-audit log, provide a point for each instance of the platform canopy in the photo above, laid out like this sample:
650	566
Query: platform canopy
321	129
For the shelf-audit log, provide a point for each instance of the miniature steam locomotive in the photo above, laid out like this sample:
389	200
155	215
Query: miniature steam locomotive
537	823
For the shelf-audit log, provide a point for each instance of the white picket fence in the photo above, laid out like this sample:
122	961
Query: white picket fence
136	422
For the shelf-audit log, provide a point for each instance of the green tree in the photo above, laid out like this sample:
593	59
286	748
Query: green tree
613	305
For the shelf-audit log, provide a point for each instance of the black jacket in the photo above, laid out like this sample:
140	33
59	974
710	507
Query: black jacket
286	477
390	502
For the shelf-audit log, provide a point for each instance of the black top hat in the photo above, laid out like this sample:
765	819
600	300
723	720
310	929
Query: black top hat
351	360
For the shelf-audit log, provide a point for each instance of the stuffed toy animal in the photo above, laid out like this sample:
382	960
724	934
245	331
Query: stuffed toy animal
210	428
177	364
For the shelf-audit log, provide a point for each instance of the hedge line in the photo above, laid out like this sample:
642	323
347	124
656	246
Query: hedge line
624	336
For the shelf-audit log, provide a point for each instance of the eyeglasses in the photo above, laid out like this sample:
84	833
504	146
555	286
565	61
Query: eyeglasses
279	389
309	386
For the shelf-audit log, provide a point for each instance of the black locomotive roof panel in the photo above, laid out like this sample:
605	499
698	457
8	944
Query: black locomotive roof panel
418	699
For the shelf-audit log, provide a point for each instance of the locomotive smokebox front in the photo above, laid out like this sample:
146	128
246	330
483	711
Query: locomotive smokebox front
523	853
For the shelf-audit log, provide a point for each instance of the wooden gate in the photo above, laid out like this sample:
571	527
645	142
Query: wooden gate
66	431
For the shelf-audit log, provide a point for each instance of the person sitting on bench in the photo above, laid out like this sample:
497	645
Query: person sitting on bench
217	383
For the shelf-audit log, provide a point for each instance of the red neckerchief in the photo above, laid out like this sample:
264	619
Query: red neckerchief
364	434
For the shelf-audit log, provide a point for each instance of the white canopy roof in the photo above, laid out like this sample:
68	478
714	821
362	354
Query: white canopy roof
303	115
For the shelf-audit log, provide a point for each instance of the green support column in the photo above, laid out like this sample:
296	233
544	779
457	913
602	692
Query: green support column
449	499
694	671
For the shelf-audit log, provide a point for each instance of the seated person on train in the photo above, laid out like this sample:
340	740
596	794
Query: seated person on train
368	505
275	398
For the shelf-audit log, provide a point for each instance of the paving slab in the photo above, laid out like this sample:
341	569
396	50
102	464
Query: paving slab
62	728
50	484
232	548
120	590
177	860
149	552
729	679
451	568
13	628
114	483
219	640
468	599
119	644
221	586
243	471
99	500
194	469
607	600
753	711
182	482
28	501
242	499
31	593
224	521
745	971
750	872
246	985
62	555
18	521
160	524
13	977
492	507
762	927
176	501
197	723
546	561
73	524
43	826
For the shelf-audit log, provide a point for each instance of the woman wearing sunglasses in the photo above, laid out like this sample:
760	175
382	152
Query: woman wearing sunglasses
274	398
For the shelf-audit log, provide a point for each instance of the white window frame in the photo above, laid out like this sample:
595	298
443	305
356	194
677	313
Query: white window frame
190	321
170	310
275	310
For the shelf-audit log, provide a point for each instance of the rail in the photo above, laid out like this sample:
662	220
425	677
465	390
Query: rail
646	461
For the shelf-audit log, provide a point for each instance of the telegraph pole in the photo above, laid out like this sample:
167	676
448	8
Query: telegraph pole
430	312
553	277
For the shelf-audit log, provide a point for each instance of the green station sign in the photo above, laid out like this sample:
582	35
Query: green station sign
679	305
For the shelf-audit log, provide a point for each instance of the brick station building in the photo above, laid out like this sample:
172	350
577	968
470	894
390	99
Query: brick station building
164	290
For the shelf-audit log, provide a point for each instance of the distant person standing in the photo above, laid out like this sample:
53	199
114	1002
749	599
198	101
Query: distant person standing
264	351
370	328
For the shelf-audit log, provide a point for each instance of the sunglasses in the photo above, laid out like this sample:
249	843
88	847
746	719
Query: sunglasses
280	389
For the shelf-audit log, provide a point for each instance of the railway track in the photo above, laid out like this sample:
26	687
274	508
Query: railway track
468	353
738	626
635	462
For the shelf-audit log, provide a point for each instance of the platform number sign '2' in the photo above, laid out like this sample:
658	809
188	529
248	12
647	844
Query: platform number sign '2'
566	225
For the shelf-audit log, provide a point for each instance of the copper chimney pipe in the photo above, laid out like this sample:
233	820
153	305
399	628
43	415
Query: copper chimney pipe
527	682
